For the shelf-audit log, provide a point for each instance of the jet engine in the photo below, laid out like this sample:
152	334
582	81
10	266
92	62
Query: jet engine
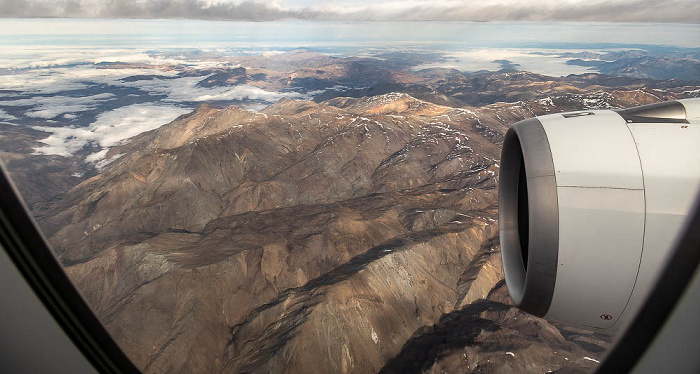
590	206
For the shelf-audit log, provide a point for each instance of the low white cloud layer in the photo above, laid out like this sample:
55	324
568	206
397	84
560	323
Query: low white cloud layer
49	107
4	116
38	82
546	62
186	89
50	70
52	80
108	130
687	11
52	56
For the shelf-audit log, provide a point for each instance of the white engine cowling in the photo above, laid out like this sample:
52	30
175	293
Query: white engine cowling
590	205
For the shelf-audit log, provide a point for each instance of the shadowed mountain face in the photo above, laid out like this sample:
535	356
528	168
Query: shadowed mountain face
490	336
351	235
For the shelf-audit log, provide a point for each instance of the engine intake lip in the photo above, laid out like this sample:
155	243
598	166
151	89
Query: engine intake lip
531	267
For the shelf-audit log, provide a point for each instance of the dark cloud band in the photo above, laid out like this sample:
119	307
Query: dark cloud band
603	11
190	9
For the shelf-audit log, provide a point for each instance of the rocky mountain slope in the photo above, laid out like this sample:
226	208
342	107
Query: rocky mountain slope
350	235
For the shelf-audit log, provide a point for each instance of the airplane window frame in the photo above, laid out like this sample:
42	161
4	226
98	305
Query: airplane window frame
29	251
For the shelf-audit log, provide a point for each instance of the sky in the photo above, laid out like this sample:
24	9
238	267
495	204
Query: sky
655	11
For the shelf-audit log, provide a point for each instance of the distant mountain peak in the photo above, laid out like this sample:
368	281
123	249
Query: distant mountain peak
287	107
390	103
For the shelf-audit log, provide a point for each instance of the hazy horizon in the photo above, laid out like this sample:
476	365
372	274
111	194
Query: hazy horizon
362	33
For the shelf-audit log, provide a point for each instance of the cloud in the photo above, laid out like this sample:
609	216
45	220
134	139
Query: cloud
515	10
48	107
4	116
192	9
546	62
512	10
33	82
683	11
108	130
186	90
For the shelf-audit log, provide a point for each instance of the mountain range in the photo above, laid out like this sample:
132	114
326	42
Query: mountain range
347	235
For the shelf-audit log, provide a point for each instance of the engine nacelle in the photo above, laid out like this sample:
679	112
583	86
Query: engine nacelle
590	205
